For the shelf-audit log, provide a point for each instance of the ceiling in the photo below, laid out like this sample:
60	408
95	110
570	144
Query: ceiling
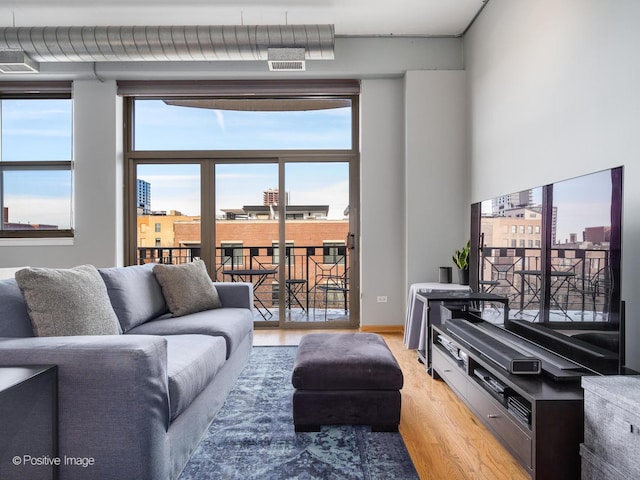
350	17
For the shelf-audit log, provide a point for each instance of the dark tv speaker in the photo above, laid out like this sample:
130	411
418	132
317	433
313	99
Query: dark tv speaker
508	358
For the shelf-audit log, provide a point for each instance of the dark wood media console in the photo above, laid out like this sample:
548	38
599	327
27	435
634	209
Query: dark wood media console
538	420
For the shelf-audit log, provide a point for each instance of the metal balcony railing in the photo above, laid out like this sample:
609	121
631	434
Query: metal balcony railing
581	281
316	277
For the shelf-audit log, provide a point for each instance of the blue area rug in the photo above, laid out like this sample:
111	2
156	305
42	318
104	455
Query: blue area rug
253	437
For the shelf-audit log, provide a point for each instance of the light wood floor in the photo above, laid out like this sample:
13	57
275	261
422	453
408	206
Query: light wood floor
443	437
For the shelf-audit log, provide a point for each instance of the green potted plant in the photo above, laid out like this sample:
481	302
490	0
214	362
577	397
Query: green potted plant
461	260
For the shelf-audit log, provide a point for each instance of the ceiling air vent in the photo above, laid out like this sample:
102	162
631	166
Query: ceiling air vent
17	61
286	59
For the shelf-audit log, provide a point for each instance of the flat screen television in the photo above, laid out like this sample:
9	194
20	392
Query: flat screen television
555	252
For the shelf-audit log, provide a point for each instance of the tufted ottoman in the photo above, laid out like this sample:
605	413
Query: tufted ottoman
345	379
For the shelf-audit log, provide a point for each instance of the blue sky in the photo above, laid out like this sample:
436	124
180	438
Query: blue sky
165	127
37	130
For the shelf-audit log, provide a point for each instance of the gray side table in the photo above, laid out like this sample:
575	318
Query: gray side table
611	448
28	422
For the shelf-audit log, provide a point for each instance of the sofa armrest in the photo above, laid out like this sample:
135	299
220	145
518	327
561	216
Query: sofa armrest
235	294
113	400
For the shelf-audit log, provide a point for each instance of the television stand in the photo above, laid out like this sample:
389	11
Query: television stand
538	420
437	305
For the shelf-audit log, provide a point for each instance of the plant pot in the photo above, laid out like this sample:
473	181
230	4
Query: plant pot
463	277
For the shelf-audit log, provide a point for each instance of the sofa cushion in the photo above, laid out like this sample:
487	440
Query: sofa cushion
234	324
192	361
64	302
14	318
187	287
135	294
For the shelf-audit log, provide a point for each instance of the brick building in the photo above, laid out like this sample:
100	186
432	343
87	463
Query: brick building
312	244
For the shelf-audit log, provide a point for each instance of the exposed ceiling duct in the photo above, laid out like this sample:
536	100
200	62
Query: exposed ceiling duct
168	43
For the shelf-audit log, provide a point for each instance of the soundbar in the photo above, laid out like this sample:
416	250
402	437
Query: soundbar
506	357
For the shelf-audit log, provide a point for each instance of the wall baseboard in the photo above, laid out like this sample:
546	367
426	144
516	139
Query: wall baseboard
382	328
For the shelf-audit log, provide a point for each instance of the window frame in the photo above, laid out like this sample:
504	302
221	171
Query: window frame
209	159
37	91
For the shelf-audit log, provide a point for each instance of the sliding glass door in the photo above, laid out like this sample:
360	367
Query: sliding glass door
318	250
263	192
246	230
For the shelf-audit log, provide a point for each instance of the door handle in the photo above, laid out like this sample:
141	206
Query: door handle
351	241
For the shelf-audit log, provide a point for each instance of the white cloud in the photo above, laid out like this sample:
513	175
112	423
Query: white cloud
39	132
220	118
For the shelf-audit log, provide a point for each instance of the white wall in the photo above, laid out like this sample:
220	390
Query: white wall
553	93
382	229
414	197
436	183
97	144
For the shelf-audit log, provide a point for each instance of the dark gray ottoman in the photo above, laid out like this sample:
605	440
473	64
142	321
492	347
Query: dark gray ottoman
346	379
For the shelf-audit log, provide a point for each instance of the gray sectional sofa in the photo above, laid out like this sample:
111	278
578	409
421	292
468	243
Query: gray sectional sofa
137	402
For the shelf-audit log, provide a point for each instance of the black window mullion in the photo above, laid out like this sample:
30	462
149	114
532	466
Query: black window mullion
545	252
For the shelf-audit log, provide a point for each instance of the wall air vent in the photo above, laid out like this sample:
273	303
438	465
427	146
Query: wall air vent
286	59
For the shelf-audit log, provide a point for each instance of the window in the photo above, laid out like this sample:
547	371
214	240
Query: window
579	245
212	128
333	252
158	227
245	156
521	228
275	258
231	254
514	229
158	242
36	164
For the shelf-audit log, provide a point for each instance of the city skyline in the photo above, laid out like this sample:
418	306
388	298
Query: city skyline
581	202
177	187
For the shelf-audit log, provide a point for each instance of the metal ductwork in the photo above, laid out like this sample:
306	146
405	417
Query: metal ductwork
166	43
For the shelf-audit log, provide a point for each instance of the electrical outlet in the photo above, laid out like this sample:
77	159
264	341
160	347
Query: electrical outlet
382	299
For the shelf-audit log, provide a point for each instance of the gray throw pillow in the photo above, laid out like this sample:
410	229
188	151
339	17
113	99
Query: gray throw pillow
187	288
63	302
135	294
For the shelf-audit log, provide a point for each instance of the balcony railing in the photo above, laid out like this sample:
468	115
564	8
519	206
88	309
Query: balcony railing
316	277
581	281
